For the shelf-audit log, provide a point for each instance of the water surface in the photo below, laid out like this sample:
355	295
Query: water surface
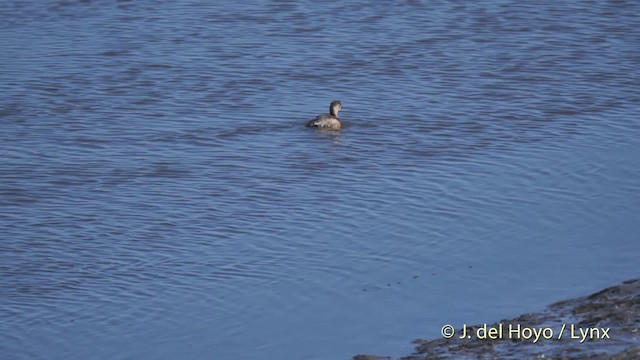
160	197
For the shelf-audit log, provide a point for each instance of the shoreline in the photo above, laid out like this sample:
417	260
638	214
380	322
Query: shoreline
603	325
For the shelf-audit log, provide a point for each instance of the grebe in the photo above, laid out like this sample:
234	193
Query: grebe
330	120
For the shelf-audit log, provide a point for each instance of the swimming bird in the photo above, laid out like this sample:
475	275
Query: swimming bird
330	120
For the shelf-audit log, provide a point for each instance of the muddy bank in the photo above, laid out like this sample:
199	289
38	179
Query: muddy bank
604	325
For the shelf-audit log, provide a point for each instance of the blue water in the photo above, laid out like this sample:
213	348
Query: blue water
160	197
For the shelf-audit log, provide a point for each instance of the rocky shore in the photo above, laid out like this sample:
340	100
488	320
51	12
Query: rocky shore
604	325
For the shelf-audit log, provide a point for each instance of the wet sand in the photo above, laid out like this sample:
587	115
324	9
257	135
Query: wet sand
604	325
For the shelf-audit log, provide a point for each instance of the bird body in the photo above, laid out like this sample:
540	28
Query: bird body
330	120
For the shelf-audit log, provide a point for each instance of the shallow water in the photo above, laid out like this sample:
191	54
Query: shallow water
161	199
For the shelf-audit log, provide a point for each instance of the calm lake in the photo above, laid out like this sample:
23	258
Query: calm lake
160	197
